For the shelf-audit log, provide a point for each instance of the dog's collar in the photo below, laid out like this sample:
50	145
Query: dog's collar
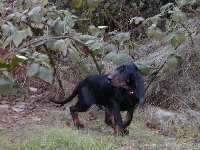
132	92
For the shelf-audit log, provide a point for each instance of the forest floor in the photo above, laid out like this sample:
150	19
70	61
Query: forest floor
26	125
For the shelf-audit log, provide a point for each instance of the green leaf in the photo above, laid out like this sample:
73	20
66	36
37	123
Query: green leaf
86	37
74	56
179	17
163	8
176	17
172	62
88	66
181	3
59	27
144	66
110	47
180	59
58	45
77	3
16	60
183	16
181	37
43	2
155	18
175	41
8	41
85	66
2	63
4	66
44	58
6	85
33	69
110	56
9	76
45	74
29	32
178	39
150	32
155	32
2	22
96	45
137	20
158	35
169	36
121	58
99	31
117	59
121	37
93	4
34	14
6	30
90	42
19	37
69	21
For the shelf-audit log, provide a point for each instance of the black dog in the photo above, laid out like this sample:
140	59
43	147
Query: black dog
120	91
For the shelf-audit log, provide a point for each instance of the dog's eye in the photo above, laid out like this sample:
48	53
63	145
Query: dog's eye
127	81
122	69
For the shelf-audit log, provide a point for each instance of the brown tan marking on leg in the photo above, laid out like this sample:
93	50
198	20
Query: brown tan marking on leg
77	122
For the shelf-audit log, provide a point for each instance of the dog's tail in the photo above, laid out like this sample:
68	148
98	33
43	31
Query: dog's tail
68	99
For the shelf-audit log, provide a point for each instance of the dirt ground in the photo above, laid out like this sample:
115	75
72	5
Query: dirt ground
144	133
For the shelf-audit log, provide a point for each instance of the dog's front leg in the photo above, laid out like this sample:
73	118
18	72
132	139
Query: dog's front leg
118	119
109	118
128	119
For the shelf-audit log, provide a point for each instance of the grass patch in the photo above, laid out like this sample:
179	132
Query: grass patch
62	138
39	137
55	135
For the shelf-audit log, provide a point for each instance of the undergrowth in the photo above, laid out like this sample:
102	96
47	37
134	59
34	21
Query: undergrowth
55	138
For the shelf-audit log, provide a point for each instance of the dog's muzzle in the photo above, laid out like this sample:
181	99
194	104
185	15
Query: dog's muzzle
110	78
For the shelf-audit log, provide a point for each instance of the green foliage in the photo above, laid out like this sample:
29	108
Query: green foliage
117	59
179	17
155	32
33	69
6	83
120	37
144	66
137	20
176	38
45	74
34	30
173	61
88	66
62	138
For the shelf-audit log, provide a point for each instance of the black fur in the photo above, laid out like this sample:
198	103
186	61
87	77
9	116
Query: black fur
120	91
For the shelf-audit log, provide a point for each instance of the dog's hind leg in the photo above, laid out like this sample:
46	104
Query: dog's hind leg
74	112
85	100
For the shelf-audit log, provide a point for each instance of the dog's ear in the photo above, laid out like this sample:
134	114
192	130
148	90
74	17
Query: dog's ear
139	83
135	67
130	79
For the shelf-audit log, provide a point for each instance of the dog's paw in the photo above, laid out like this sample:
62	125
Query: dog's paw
120	131
79	125
126	132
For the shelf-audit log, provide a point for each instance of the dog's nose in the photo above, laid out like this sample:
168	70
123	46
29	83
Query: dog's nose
110	77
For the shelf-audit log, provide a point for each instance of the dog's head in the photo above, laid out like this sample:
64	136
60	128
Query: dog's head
127	76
